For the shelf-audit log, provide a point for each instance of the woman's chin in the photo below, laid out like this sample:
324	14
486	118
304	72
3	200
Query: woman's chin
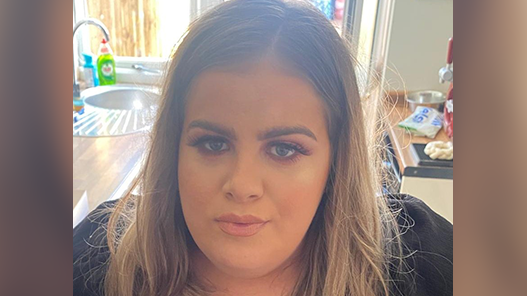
236	264
242	266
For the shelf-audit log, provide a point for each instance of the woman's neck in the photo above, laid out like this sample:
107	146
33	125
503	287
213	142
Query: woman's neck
280	282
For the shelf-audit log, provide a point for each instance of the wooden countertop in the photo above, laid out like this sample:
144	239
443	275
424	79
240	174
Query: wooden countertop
401	140
106	167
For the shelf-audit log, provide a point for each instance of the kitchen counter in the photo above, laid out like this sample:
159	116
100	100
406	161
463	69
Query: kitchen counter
401	140
434	185
106	167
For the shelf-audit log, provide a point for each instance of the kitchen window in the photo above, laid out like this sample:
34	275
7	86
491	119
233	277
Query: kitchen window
142	32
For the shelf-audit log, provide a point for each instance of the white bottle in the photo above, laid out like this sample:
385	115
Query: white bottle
90	78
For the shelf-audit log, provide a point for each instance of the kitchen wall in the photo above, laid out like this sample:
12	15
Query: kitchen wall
418	44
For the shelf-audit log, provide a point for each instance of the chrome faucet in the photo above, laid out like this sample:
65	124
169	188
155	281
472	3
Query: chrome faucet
90	21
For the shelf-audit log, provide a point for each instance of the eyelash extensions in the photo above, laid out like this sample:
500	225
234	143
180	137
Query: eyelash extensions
203	144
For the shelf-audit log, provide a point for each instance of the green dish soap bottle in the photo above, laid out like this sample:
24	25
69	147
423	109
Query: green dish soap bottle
106	64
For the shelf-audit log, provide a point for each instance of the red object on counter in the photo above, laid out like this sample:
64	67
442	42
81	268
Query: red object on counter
450	56
449	112
448	121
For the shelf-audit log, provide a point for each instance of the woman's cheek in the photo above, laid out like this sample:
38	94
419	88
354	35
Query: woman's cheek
195	185
192	185
300	194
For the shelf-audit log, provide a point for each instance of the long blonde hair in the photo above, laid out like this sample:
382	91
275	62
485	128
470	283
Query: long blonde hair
348	245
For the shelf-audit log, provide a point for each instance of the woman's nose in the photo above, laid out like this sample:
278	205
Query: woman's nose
244	183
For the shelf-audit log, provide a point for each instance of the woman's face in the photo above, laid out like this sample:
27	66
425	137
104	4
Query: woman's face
253	163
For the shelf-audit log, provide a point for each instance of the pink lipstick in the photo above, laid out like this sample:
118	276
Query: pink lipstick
244	226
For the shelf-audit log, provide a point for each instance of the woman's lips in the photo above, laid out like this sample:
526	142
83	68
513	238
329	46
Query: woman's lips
241	229
240	225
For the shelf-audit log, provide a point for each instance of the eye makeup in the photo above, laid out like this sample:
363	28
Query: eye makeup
293	151
278	150
209	144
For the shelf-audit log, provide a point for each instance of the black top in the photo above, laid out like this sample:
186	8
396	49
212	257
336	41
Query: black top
427	237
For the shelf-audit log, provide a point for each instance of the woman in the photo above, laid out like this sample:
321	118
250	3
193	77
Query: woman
258	179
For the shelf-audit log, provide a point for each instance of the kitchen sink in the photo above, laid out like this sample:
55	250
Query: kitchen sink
115	110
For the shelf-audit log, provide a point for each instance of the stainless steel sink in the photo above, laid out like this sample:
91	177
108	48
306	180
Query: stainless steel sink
115	110
119	98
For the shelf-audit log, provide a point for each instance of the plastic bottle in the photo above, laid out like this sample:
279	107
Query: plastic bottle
326	6
106	65
90	73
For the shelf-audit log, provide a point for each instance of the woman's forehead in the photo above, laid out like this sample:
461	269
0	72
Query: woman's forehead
263	94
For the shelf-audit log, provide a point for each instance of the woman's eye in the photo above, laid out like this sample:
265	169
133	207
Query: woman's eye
283	150
210	144
216	146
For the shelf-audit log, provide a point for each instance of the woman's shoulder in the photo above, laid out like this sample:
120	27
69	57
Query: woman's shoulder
91	252
419	224
427	240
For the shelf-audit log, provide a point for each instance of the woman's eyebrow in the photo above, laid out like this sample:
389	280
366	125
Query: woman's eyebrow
286	130
213	127
267	134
